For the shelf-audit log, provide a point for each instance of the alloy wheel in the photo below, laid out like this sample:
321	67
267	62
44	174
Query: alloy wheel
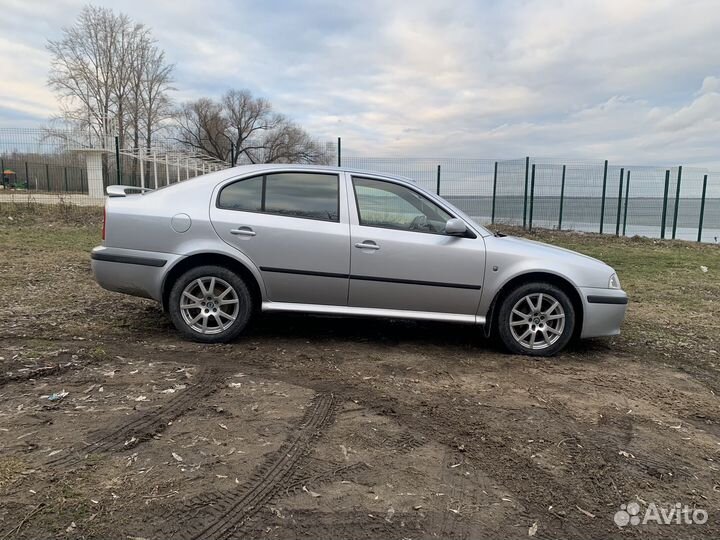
209	305
537	321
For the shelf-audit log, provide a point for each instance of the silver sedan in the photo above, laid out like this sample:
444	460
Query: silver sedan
218	249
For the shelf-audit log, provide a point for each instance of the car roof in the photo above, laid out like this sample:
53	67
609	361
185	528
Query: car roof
244	169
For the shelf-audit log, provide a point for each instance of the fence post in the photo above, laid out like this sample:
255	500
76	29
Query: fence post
141	157
627	201
677	202
339	148
665	201
82	180
532	197
604	191
178	169
117	160
702	208
492	216
154	158
65	178
27	177
167	170
525	198
47	176
438	180
619	203
562	198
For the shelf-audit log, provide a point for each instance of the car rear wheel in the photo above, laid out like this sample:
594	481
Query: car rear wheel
210	304
536	319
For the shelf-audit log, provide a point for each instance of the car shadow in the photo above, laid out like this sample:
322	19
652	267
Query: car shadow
386	331
320	329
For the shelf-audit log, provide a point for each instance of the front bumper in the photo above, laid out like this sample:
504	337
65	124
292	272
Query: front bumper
604	311
130	271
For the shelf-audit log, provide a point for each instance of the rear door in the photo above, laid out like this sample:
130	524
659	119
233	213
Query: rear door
293	226
402	259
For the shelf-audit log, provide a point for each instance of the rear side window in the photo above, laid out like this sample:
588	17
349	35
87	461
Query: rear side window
243	195
304	195
313	196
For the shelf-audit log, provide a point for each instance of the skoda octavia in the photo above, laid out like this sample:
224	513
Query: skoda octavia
217	249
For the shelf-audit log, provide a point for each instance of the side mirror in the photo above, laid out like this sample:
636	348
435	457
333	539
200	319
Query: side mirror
455	227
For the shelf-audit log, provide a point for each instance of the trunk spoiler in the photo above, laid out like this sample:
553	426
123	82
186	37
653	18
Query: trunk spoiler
121	191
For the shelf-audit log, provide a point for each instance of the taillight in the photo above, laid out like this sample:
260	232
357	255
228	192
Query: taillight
104	220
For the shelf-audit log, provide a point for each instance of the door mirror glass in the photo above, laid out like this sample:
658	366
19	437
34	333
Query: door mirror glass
455	227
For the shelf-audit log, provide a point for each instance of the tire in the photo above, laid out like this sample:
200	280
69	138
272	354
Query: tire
533	332
210	315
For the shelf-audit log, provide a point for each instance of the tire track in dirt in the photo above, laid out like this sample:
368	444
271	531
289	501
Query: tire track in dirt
407	442
324	477
143	426
42	371
226	513
448	524
442	421
340	524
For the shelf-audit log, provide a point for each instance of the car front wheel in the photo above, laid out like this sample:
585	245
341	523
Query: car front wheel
536	319
210	304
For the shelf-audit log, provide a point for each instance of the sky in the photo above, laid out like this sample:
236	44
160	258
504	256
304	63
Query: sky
627	80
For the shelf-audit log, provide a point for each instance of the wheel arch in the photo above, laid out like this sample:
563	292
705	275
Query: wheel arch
537	276
217	259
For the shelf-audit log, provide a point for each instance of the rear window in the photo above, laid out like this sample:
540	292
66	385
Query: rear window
304	195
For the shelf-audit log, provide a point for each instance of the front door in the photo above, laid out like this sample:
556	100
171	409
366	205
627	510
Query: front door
401	257
293	227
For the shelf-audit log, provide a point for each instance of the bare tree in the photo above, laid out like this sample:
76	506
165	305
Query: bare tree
249	121
292	144
241	128
202	126
156	82
110	77
81	71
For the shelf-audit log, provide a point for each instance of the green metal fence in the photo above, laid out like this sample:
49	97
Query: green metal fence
593	196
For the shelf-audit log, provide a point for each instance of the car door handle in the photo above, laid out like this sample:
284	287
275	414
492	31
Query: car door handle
367	244
243	231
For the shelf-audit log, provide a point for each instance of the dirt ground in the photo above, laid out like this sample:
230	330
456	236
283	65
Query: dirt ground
113	427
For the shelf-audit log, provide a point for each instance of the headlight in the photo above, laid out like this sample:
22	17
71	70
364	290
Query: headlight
614	282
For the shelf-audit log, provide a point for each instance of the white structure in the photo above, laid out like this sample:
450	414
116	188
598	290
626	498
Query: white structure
194	164
93	160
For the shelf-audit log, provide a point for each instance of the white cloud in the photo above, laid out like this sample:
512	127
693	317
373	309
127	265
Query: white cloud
23	69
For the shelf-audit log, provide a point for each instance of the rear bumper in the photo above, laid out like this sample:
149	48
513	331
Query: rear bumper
604	311
129	271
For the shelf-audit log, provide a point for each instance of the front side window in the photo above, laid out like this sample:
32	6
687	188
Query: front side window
393	206
304	195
